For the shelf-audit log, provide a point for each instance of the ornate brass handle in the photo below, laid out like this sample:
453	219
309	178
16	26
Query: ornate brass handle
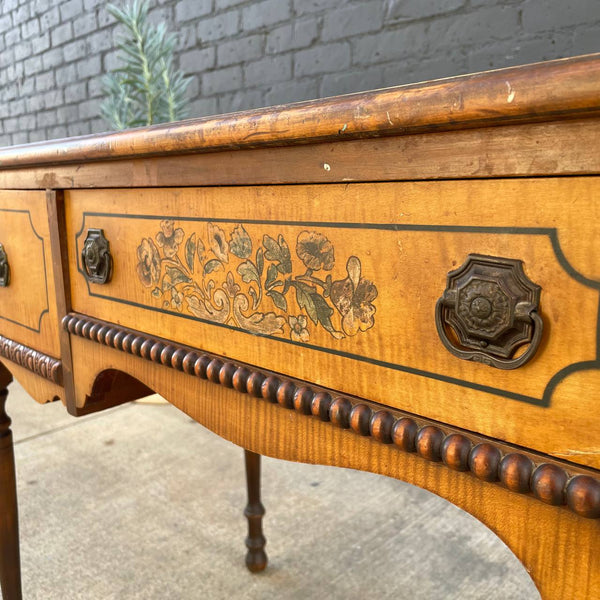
96	258
4	268
490	305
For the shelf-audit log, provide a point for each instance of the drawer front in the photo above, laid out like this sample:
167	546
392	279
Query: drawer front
27	303
338	284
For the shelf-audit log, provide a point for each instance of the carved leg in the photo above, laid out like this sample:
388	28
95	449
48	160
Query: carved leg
10	570
256	558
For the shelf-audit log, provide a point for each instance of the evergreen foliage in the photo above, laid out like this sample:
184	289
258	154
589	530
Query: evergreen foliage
148	88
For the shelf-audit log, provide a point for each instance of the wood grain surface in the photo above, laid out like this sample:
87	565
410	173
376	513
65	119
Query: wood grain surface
27	306
543	91
403	238
37	387
522	471
542	537
510	151
334	282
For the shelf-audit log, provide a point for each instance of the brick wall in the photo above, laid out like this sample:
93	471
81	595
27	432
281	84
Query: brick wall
249	53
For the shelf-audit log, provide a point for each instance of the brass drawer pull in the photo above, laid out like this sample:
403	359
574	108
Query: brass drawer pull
96	258
4	268
490	305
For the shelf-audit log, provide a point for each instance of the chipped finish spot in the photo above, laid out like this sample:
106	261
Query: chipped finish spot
511	93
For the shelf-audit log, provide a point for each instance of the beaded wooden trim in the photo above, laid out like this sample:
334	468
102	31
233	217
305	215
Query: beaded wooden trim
41	364
546	479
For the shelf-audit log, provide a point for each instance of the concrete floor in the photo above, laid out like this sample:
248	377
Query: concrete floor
141	502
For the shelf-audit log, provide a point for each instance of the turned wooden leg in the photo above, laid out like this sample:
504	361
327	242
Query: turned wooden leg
10	570
256	558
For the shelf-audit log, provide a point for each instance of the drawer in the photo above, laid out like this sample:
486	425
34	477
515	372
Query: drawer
27	304
338	284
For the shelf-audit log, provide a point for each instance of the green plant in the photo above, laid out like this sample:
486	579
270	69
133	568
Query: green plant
148	88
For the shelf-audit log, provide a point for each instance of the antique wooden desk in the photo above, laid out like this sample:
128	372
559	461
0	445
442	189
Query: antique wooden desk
403	281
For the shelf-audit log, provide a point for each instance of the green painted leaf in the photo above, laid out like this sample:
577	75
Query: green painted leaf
156	292
212	265
248	272
260	261
306	302
271	275
324	311
190	251
278	300
200	249
286	260
279	252
272	249
177	275
240	243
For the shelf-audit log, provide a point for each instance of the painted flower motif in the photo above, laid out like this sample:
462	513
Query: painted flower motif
315	251
148	268
298	331
218	242
230	286
176	300
240	243
169	238
353	297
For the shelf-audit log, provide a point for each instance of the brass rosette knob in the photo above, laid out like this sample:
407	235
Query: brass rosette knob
96	258
489	310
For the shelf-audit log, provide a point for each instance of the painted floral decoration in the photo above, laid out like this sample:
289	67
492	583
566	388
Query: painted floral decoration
252	283
298	330
315	251
353	297
169	238
149	263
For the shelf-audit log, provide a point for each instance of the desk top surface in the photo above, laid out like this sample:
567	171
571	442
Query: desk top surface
559	89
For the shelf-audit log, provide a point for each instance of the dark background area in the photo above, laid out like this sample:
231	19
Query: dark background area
250	53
